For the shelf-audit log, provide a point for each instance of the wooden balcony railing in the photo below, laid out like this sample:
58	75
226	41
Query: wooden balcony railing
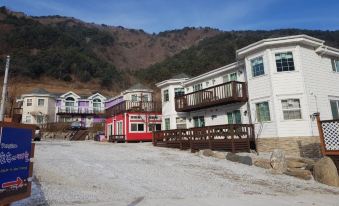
79	110
229	137
133	106
226	93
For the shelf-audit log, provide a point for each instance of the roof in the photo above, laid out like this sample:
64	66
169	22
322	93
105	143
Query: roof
301	39
180	76
138	86
39	91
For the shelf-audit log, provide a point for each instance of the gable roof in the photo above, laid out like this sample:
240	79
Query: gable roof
39	91
138	86
180	76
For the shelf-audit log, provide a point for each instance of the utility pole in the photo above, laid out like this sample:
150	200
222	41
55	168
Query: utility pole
4	91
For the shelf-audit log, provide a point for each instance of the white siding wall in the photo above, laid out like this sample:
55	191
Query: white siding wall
48	108
168	108
321	81
275	86
219	113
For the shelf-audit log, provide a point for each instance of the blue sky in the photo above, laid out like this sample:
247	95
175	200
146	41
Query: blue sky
160	15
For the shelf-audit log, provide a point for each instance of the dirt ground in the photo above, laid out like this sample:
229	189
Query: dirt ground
93	173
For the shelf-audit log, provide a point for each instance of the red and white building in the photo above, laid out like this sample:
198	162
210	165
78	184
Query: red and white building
133	115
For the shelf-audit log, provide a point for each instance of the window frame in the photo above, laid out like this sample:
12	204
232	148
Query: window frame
282	62
29	102
291	109
167	122
253	70
200	120
335	65
43	102
166	95
259	118
138	130
157	128
336	102
179	93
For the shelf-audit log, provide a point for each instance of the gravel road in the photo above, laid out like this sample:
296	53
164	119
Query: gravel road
93	173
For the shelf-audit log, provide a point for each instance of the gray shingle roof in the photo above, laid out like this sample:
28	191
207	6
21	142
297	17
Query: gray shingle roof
40	91
138	86
180	76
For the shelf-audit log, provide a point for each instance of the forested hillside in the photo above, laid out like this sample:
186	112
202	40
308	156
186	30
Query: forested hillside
112	57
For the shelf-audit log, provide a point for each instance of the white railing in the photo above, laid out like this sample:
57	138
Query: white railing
80	110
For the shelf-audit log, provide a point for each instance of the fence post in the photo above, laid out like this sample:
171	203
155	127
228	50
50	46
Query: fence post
321	133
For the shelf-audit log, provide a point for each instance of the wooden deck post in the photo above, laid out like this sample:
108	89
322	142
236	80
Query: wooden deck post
321	133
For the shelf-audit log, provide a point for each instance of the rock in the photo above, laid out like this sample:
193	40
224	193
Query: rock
299	173
263	163
240	159
278	161
219	155
325	171
295	164
207	152
309	162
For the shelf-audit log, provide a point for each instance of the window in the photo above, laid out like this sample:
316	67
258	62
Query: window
41	102
134	97
197	87
179	91
335	108
263	112
335	65
134	117
291	109
199	121
284	61
155	117
234	117
40	119
230	77
137	127
207	83
154	127
167	124
118	127
28	119
96	105
69	102
29	102
257	65
181	122
145	97
166	95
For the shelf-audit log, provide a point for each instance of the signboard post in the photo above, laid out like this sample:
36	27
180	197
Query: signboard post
16	168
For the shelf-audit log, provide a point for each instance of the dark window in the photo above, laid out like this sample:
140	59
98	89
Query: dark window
179	91
257	66
284	61
166	95
263	112
335	108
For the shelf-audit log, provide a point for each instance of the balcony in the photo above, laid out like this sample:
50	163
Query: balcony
80	110
226	93
133	106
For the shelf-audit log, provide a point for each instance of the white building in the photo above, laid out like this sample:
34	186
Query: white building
38	107
286	79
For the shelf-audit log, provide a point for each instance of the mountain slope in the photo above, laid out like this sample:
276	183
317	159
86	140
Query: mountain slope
220	50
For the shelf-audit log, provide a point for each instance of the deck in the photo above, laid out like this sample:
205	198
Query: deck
133	106
229	137
226	93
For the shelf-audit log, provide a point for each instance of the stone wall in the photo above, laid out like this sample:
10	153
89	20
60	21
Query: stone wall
293	146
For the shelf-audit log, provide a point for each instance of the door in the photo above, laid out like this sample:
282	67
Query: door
119	128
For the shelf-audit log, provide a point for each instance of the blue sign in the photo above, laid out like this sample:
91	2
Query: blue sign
15	150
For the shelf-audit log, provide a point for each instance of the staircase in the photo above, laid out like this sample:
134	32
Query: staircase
79	135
